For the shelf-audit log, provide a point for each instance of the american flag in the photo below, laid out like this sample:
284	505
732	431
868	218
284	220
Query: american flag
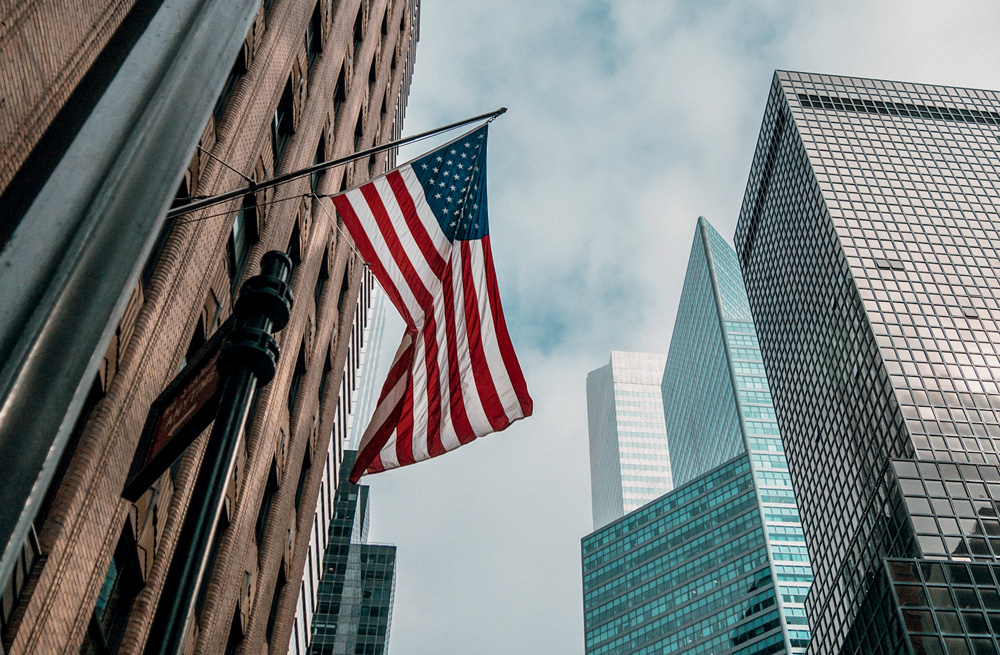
423	230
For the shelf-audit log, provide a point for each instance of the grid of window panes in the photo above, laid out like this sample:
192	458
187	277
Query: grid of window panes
686	574
629	460
355	595
879	627
715	392
951	607
864	239
702	417
953	507
378	587
774	486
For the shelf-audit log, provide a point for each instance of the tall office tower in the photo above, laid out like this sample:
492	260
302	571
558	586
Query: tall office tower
113	109
687	574
354	609
629	462
719	564
867	241
356	386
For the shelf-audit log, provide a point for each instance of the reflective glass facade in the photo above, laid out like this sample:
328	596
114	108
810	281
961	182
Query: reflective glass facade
867	241
944	607
354	602
629	460
688	573
702	415
717	403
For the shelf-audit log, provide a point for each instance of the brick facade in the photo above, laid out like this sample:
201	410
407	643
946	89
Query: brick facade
366	45
39	72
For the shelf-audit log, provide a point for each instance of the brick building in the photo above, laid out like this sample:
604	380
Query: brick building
314	80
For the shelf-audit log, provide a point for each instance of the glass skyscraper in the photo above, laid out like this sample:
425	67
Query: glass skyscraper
354	603
718	565
868	242
629	462
687	574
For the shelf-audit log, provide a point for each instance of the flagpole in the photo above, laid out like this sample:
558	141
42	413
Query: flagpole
302	172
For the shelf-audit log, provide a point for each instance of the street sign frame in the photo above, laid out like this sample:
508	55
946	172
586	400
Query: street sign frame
178	415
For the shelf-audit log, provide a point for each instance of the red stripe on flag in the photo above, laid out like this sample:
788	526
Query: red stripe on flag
417	229
434	446
375	467
370	451
367	251
480	367
503	337
410	274
404	429
459	417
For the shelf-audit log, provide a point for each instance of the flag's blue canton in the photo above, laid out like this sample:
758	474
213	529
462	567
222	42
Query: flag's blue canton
454	181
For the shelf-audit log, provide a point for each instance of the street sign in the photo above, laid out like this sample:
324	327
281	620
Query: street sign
178	415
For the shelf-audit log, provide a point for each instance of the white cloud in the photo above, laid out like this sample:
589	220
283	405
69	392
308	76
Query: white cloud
628	119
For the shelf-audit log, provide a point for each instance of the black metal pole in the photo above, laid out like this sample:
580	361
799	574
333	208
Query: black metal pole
247	359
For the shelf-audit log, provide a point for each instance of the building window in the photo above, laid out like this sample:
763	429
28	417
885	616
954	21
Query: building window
149	266
359	131
344	288
283	125
241	238
265	505
279	588
325	377
237	71
314	36
235	635
318	158
340	91
359	28
321	281
122	582
303	474
20	585
194	345
294	250
293	387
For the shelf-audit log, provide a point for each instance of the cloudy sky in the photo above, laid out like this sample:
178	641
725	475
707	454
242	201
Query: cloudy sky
628	119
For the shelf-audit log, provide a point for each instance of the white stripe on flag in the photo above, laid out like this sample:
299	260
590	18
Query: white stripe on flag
430	282
470	393
491	347
384	253
420	404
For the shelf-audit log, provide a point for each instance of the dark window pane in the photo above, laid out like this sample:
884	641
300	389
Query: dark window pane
282	125
949	622
229	87
265	506
911	595
314	43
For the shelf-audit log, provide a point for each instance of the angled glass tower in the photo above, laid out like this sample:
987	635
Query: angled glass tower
719	564
629	462
356	591
868	242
